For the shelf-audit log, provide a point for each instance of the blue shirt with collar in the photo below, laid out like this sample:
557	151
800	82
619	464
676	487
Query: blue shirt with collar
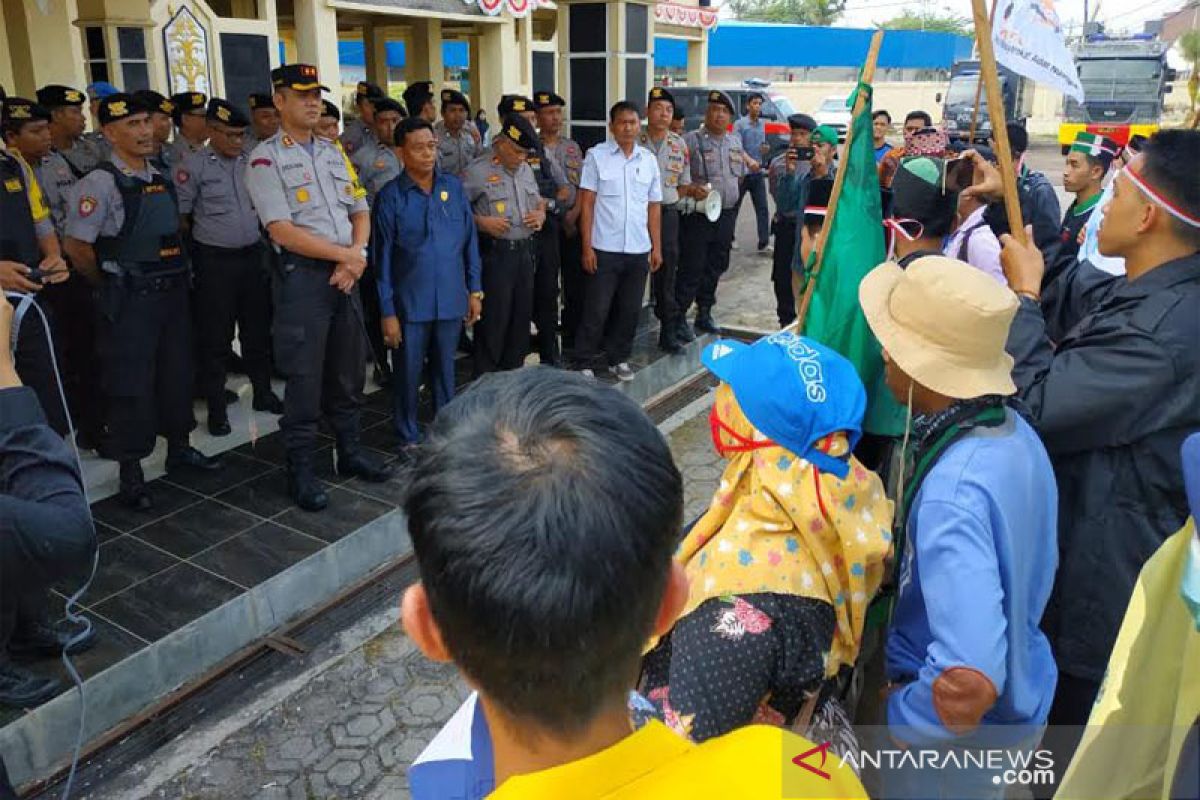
425	249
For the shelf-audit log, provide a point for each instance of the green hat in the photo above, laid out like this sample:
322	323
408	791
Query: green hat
1096	146
825	134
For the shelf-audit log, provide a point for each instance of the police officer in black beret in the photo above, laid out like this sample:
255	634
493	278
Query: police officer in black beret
123	235
328	123
264	120
418	98
191	126
162	112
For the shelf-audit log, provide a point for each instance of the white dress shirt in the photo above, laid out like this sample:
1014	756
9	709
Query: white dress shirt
983	248
624	187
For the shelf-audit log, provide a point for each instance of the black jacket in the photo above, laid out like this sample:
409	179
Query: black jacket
1042	210
1113	403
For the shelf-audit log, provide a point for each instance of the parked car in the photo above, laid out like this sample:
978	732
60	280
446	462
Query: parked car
693	100
833	112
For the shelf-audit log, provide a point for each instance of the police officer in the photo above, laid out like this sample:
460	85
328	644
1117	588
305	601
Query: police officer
315	212
328	123
787	215
230	264
94	141
718	161
264	120
458	143
672	154
162	113
67	127
191	127
123	236
359	128
418	99
508	211
375	160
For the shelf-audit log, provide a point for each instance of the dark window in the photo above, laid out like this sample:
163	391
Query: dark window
543	71
635	81
247	60
589	28
587	135
94	37
589	87
637	39
99	71
135	75
132	43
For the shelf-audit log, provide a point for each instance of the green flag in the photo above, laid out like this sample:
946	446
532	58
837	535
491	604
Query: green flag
855	247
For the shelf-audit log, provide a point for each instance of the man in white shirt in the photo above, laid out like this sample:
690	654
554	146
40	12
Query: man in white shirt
620	194
973	241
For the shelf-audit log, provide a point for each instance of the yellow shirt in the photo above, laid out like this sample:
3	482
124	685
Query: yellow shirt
752	763
33	190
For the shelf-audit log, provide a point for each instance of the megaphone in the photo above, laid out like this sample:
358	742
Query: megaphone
711	205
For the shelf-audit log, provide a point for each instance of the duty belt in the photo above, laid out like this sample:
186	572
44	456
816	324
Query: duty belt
249	249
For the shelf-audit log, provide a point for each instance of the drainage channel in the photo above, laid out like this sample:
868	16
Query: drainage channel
280	656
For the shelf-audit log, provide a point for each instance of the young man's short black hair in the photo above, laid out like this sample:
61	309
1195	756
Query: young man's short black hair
882	113
1169	160
410	125
678	113
926	120
544	509
621	107
1018	139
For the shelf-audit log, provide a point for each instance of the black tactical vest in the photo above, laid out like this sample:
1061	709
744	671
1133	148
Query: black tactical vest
149	243
18	238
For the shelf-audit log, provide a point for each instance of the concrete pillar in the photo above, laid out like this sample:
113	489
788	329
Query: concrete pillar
27	32
6	66
498	71
474	75
317	41
525	52
616	47
375	45
423	61
697	62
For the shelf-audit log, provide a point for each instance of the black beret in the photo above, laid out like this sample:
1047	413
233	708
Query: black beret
546	100
387	104
328	109
221	110
802	122
188	102
513	103
301	77
259	100
367	89
679	113
518	130
120	106
154	101
717	96
18	110
659	93
453	97
56	96
417	95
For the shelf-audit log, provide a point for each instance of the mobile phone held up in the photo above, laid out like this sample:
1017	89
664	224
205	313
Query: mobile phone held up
960	173
803	153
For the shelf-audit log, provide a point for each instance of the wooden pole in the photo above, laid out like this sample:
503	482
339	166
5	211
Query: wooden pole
868	76
979	85
991	84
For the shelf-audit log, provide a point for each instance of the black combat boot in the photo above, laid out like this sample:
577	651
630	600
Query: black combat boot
306	491
133	487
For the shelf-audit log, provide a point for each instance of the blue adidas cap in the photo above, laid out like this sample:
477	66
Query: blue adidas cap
794	390
101	89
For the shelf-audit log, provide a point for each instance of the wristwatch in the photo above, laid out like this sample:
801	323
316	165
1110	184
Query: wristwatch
476	295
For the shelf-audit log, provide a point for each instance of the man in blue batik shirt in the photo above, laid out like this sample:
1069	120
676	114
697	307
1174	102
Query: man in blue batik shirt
426	251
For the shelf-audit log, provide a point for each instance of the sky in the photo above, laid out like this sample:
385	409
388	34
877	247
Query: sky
1118	15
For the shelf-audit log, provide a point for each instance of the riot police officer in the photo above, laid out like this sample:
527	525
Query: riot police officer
315	212
191	127
123	236
67	127
230	265
264	120
458	143
508	211
162	113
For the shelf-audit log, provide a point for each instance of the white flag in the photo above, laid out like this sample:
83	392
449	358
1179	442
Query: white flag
1028	39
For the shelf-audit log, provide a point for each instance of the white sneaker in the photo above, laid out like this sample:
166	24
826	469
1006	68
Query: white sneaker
587	373
622	371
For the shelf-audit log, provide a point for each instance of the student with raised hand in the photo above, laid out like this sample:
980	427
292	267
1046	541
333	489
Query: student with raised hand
544	509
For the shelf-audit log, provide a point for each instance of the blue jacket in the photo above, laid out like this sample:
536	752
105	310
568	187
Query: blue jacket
976	575
425	249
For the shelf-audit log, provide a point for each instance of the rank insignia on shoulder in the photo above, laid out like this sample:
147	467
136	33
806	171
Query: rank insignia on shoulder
86	206
493	179
288	141
302	195
444	195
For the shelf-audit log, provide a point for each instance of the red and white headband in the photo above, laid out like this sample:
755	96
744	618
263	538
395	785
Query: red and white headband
1159	199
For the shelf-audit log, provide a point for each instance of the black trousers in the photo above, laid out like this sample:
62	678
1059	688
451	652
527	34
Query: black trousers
502	333
545	289
662	283
704	258
571	256
373	316
232	287
144	340
614	296
73	320
34	363
786	242
320	348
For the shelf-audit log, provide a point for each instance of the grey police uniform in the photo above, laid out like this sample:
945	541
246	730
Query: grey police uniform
704	246
231	280
566	158
144	322
58	185
354	134
672	154
550	179
84	155
175	151
502	333
375	165
318	337
455	151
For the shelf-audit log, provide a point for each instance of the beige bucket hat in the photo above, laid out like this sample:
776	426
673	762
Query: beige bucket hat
944	323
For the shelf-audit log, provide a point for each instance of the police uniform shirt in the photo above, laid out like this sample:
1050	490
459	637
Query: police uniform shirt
355	134
567	157
376	165
672	155
455	151
84	155
98	209
317	192
717	161
493	191
249	141
211	188
176	151
43	225
58	185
